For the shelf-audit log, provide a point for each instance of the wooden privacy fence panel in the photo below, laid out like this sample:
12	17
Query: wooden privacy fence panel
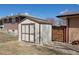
59	34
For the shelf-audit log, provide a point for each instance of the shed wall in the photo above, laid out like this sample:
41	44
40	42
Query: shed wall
43	32
27	21
46	33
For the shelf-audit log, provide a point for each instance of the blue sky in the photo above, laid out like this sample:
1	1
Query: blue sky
38	10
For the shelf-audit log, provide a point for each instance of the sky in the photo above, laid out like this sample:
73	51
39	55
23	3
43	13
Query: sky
38	10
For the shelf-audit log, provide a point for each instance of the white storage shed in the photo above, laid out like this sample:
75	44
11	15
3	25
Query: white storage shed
35	30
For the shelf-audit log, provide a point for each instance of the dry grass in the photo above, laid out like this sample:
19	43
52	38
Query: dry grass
16	48
4	37
9	45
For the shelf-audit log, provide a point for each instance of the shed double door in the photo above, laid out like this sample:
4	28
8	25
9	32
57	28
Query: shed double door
28	32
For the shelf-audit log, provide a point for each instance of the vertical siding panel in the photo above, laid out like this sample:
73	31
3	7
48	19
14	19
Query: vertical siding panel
21	32
34	33
29	32
39	32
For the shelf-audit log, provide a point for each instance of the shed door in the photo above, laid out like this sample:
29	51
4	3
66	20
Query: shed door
28	32
59	34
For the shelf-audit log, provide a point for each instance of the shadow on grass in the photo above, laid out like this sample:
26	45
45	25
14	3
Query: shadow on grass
49	51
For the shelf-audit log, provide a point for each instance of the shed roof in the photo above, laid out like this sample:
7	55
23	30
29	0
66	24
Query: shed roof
68	14
38	20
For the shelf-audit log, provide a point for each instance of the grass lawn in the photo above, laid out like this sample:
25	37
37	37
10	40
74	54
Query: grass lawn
9	45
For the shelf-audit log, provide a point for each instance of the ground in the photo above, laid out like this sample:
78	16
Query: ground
9	45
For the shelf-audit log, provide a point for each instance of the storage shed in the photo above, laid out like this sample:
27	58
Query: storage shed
35	30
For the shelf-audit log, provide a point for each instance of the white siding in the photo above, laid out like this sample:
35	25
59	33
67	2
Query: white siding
27	21
46	35
37	33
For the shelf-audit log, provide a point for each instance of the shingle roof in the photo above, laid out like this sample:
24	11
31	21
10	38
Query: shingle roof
38	20
68	14
12	16
29	17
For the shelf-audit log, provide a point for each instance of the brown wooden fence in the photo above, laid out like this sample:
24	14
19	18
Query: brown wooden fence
59	33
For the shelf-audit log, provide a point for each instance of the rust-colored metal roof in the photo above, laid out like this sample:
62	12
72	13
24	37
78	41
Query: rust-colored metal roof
68	14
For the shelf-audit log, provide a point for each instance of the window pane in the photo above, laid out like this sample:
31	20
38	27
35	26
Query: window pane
27	28
31	28
23	28
31	38
13	21
27	37
23	36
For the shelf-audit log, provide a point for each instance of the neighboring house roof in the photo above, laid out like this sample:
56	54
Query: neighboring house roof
50	21
68	14
38	20
6	17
